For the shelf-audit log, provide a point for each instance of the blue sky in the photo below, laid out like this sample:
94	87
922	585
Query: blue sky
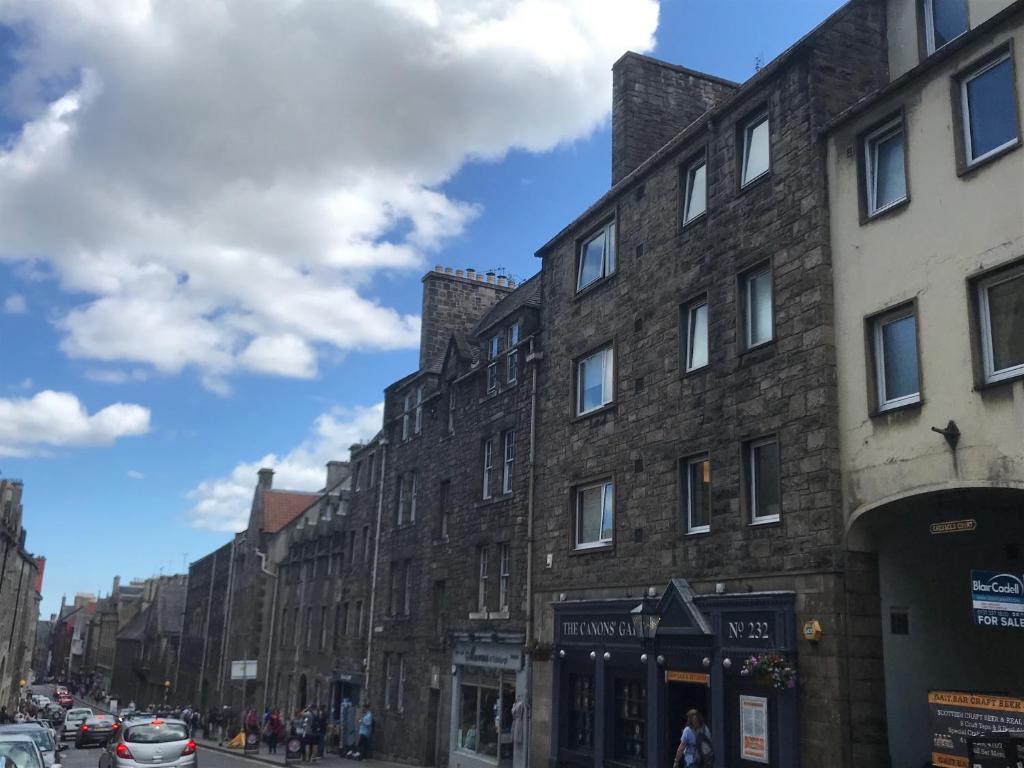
100	503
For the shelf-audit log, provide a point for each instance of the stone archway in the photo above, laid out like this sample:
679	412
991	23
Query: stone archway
911	627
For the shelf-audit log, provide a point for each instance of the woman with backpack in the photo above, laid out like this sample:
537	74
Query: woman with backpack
695	748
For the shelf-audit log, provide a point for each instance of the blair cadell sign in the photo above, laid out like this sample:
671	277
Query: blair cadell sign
997	599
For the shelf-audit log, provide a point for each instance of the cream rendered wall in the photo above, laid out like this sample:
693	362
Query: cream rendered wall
902	26
952	228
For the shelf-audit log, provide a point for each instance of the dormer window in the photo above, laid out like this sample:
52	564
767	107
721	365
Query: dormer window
944	22
597	257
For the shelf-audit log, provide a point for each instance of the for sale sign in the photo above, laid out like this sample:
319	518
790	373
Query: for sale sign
997	599
957	717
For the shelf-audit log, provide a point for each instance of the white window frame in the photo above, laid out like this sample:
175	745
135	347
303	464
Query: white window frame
512	342
608	379
493	346
406	406
985	325
691	308
607	487
508	465
418	426
878	324
748	131
748	308
488	467
871	142
504	573
482	568
689	464
607	255
752	480
965	111
929	26
688	180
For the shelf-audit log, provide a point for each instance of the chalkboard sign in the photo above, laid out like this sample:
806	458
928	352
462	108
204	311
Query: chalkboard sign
252	743
995	752
292	749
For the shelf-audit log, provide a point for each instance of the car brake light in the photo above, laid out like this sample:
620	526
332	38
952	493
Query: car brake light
190	748
115	726
123	752
83	727
157	722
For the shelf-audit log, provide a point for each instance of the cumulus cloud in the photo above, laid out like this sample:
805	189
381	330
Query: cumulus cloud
134	474
222	504
15	304
221	179
57	419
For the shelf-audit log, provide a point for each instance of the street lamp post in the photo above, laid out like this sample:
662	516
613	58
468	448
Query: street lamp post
167	690
646	619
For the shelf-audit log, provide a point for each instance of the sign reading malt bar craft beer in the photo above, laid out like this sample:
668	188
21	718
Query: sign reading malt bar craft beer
997	599
955	717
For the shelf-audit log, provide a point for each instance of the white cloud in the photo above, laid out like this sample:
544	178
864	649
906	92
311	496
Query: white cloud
224	177
222	504
134	474
57	419
15	304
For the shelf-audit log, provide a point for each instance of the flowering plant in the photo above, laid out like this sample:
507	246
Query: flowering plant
772	668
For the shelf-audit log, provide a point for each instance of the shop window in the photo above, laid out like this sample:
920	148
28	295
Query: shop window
1000	299
695	197
762	469
512	368
594	381
581	712
477	730
988	103
885	176
695	330
630	733
756	306
897	380
597	257
944	21
697	485
594	515
756	157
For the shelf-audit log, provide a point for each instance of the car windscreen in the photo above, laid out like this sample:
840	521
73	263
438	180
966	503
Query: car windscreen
23	753
41	738
149	733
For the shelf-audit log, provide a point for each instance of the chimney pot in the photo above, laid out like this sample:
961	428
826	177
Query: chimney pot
480	276
458	273
470	272
447	270
266	478
511	283
438	268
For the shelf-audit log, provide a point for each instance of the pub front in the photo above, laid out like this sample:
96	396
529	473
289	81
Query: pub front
626	671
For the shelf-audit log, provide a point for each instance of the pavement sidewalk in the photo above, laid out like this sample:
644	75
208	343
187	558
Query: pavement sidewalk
329	758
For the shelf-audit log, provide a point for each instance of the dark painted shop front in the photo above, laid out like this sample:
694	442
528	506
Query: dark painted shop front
622	687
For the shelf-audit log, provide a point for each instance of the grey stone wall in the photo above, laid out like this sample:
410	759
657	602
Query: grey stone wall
453	302
652	101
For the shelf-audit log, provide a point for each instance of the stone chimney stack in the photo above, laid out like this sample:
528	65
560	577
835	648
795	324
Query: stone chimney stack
337	471
452	303
266	479
652	101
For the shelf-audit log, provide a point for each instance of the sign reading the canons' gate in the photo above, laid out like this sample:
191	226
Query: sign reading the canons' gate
589	628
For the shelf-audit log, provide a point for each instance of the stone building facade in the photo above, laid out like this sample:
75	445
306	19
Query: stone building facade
689	445
20	576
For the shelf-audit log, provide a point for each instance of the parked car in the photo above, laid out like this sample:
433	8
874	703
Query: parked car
21	750
42	735
97	729
74	718
145	743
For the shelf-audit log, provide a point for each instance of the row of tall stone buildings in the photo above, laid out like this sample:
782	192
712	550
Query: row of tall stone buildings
21	584
763	400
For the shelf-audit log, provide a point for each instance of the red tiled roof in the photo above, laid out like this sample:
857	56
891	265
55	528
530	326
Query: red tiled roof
281	507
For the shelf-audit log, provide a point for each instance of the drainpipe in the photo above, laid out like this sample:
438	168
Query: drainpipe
535	358
272	573
376	556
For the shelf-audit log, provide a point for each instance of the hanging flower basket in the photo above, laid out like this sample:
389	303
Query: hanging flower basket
770	669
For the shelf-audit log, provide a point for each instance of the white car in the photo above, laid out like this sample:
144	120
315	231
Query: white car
42	735
21	750
73	721
42	701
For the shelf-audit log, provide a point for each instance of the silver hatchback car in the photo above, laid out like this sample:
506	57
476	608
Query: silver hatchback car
151	742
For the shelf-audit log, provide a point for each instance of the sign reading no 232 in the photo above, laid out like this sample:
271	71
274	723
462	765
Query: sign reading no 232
757	629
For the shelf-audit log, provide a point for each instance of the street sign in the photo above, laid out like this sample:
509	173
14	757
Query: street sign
953	526
997	599
243	670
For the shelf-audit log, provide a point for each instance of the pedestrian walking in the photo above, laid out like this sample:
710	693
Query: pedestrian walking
365	733
319	729
695	749
5	718
273	731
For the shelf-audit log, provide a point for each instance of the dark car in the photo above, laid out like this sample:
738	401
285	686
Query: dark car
96	730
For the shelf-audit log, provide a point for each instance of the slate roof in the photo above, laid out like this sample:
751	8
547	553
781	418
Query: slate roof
170	608
527	294
281	507
135	629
